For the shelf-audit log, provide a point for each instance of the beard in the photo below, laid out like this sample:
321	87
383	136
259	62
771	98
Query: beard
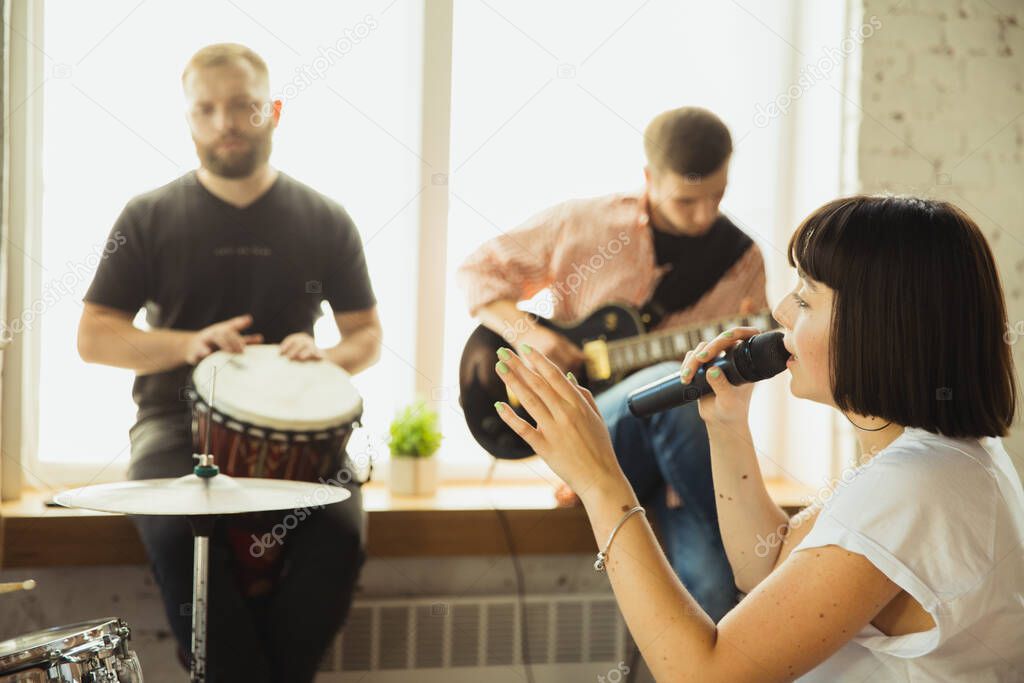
236	163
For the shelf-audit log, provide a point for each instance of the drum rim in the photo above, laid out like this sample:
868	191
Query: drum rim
266	422
42	652
228	421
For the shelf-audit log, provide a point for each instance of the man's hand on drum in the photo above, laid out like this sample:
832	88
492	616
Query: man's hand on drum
226	335
300	346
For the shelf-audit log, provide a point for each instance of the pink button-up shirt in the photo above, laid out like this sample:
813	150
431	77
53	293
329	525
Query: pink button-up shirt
595	251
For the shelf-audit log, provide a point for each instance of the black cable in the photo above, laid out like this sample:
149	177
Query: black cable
634	662
521	592
524	636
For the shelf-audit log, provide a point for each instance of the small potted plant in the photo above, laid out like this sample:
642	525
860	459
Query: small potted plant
414	440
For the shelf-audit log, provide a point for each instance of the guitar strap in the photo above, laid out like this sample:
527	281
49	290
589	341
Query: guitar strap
698	264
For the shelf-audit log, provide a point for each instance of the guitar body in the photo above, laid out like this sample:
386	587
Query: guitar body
480	386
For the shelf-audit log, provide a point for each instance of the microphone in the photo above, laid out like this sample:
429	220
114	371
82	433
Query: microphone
760	357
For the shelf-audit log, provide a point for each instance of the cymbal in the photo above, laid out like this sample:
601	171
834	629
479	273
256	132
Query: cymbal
192	495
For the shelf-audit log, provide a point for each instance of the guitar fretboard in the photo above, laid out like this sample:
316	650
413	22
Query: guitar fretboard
626	355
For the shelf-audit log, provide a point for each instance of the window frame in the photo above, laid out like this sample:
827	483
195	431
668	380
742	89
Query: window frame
19	425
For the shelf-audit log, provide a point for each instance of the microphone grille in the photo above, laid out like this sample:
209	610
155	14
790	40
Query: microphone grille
768	354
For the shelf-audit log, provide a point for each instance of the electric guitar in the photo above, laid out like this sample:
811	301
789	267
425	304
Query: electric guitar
615	343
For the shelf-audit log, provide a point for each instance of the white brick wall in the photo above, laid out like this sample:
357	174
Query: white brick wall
942	93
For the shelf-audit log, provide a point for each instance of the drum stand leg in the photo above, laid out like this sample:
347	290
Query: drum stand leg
201	530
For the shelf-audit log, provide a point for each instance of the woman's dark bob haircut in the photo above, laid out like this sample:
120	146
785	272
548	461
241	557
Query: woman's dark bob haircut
918	316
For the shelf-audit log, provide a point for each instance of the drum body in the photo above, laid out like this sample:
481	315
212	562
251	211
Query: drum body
271	418
86	652
243	449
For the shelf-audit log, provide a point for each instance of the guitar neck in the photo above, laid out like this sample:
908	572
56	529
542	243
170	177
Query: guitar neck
634	353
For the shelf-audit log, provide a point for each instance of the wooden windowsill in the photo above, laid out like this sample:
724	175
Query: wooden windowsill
461	519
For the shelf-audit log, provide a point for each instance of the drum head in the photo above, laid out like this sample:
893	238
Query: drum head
263	388
39	647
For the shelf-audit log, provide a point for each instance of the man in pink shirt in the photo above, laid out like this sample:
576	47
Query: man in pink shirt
668	251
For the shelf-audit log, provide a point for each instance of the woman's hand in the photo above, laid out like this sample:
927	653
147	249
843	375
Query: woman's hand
727	405
570	434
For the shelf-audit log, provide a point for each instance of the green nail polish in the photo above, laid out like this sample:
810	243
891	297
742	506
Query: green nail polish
498	406
502	368
572	377
728	335
715	373
702	354
686	372
526	349
504	354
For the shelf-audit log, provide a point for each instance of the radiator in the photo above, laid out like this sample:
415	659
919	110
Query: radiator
568	637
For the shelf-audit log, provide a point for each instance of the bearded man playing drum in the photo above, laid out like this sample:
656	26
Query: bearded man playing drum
232	254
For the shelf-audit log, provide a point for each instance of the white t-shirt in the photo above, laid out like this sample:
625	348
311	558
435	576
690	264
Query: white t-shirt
944	519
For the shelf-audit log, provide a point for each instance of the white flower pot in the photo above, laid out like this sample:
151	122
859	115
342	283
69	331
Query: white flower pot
412	476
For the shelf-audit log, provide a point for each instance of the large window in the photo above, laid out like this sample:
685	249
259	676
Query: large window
549	101
115	126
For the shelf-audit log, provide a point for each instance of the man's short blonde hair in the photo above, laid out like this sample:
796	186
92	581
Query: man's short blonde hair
689	141
220	54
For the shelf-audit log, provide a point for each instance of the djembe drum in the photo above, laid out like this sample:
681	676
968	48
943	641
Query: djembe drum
272	418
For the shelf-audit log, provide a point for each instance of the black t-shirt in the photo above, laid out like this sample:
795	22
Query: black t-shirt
698	262
193	260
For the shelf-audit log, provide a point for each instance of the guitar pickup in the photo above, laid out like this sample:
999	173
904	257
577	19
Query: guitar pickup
598	366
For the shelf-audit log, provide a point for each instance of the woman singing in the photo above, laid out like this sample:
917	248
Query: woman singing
913	569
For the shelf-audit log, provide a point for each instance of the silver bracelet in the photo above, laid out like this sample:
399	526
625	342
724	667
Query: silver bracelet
599	563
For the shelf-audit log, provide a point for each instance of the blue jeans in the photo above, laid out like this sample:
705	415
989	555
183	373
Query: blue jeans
671	448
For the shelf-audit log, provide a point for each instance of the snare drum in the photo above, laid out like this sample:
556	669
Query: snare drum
87	651
272	418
